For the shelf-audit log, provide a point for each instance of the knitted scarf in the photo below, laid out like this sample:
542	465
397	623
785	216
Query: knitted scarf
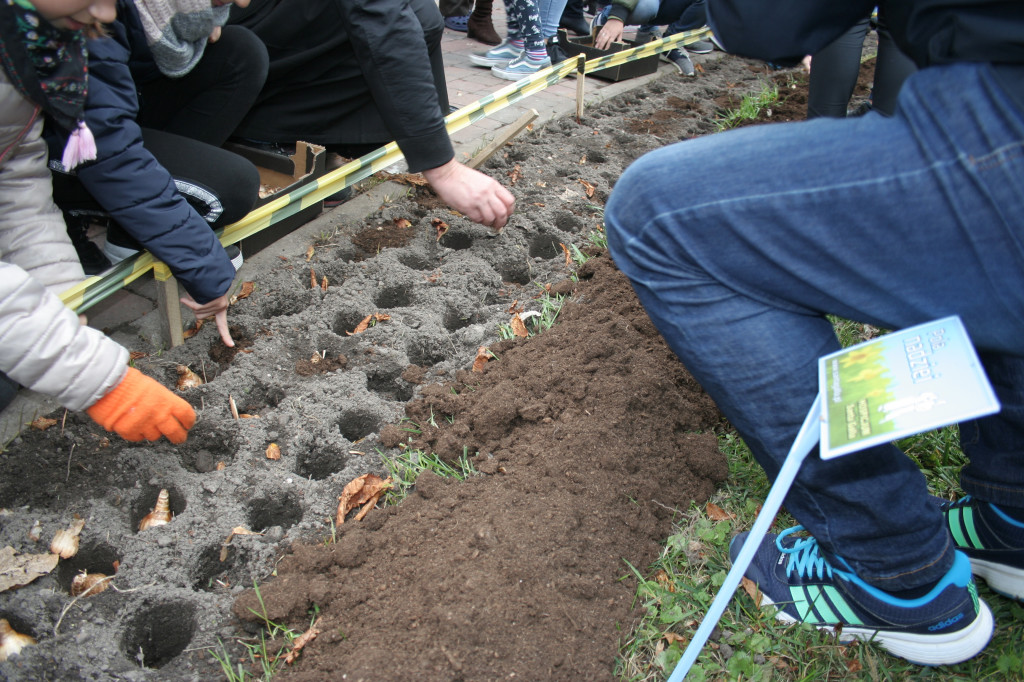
177	31
48	66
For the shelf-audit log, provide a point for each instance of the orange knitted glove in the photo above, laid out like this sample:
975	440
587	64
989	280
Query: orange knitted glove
140	407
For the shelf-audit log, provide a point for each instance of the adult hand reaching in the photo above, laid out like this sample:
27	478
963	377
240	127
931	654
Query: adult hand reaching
218	308
610	33
479	197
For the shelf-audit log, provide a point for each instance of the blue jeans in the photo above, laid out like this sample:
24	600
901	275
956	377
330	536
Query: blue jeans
890	221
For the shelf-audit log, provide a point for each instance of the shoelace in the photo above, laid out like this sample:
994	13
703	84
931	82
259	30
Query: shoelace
805	559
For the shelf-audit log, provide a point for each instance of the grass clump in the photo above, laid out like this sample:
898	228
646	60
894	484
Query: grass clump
265	655
541	320
405	468
750	108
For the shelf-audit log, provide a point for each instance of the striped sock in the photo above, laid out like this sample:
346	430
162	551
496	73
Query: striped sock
537	55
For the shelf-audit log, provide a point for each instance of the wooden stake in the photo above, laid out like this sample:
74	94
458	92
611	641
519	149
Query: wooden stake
504	136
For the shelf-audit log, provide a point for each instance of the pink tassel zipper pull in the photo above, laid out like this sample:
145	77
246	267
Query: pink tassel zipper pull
81	147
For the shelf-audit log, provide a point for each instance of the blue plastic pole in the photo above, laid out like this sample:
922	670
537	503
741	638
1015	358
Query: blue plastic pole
806	439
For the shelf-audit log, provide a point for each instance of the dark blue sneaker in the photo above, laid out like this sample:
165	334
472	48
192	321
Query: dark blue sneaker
947	625
992	539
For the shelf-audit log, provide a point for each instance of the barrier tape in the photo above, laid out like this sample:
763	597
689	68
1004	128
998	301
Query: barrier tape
91	291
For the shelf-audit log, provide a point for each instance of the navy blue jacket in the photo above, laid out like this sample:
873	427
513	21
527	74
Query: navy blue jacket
129	183
930	32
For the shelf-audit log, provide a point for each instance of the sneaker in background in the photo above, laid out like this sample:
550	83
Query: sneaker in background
681	61
600	19
647	34
119	245
700	47
947	625
235	254
496	56
521	67
992	539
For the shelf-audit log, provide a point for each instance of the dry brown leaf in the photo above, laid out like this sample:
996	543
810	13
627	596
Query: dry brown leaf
402	223
750	587
65	541
312	279
244	292
434	277
482	357
370	504
518	327
362	326
323	283
21	569
662	577
309	252
671	637
583	159
440	226
698	67
415	179
36	531
587	187
42	423
365	324
237	530
854	666
542	184
568	256
232	407
515	308
187	378
137	355
514	175
301	641
716	513
358	492
221	466
538	204
273	451
243	415
192	331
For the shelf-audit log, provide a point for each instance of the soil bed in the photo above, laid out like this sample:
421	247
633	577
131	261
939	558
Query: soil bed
586	439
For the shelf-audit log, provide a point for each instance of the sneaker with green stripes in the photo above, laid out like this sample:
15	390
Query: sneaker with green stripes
947	625
992	539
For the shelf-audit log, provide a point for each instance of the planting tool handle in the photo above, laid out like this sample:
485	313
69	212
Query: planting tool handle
806	439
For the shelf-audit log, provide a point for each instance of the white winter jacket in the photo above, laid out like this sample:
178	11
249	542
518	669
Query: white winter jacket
42	344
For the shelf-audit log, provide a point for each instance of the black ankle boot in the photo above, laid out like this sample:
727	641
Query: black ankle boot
92	259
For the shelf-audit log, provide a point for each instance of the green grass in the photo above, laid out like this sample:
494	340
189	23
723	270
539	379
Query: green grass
550	306
678	589
750	107
409	464
265	655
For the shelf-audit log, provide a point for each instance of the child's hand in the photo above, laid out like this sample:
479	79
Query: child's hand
218	309
141	408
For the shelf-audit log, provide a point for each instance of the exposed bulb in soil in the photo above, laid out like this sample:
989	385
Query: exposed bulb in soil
65	540
161	514
12	642
187	378
91	583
